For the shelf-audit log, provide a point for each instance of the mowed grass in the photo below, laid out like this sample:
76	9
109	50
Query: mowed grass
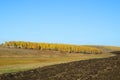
14	60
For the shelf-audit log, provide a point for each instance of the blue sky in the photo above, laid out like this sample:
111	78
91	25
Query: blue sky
87	22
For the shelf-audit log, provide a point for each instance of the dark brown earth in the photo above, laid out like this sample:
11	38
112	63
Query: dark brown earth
95	69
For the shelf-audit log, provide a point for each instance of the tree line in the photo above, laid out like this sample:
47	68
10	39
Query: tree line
67	48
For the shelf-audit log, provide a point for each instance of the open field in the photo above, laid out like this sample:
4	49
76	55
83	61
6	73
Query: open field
107	48
14	60
93	69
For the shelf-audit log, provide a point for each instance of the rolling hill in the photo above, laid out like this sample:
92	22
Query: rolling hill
46	61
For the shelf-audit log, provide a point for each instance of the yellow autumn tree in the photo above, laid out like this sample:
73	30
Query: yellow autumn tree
56	47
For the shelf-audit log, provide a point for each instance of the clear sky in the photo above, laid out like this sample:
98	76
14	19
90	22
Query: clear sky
80	22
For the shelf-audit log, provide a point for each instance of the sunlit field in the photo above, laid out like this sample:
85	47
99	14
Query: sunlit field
14	60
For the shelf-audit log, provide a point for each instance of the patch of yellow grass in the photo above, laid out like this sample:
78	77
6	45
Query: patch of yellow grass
15	64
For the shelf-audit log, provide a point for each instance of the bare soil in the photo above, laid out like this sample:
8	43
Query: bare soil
94	69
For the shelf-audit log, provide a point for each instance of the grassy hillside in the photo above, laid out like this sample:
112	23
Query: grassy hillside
107	48
94	69
19	56
14	60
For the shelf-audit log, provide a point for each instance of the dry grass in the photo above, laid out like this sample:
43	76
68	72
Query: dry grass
13	60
